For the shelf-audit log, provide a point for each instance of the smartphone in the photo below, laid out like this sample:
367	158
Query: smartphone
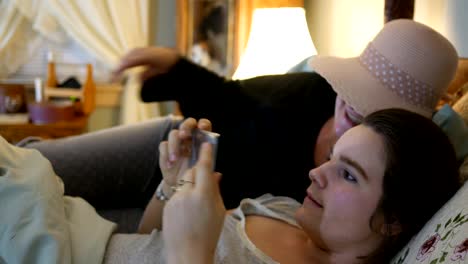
198	137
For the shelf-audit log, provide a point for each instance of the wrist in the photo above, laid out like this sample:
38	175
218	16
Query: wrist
163	192
167	189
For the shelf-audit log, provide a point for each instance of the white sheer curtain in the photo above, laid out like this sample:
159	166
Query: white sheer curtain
18	41
107	29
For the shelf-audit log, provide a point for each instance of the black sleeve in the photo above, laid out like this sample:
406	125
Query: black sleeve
203	94
182	80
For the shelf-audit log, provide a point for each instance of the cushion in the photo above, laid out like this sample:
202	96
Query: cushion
455	127
444	239
461	106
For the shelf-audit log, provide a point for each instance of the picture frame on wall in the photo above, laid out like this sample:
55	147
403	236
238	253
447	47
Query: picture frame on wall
205	32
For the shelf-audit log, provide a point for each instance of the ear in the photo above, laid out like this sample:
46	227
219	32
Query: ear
392	229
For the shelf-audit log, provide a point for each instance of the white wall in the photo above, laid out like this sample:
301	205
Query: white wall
164	33
164	22
343	27
449	17
430	12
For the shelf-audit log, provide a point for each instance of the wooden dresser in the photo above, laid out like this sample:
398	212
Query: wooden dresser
13	133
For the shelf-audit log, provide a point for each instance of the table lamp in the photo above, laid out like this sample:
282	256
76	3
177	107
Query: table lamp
278	40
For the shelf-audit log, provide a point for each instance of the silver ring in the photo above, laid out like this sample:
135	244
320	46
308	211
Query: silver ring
182	182
179	185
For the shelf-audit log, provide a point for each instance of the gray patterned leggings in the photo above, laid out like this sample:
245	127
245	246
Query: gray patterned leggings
113	169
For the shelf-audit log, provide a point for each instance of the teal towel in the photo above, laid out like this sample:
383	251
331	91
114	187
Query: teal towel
455	127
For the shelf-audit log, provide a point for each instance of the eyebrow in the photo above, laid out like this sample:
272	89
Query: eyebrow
355	165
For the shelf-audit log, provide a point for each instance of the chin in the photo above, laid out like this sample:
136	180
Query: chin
300	216
310	224
306	220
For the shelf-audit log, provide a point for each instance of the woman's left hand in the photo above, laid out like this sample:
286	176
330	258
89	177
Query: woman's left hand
194	216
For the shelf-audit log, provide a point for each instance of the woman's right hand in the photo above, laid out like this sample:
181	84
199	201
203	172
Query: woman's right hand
175	153
157	60
194	217
174	157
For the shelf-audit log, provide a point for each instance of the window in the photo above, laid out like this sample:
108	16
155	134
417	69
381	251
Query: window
73	58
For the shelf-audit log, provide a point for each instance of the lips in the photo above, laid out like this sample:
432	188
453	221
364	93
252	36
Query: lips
312	199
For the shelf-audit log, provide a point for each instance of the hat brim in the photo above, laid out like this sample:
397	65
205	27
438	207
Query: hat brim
357	87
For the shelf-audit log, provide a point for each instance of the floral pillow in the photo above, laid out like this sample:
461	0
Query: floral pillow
444	239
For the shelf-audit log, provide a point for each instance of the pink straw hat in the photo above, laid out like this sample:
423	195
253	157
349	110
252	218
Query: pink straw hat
408	65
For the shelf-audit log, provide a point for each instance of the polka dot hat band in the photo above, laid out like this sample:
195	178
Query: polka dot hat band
407	65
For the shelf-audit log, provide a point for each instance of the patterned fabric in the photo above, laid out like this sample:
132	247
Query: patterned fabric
444	239
400	82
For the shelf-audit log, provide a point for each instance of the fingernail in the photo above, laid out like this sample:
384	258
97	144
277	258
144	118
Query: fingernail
169	164
172	157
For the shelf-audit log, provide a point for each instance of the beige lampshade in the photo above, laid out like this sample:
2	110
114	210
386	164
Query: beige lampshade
278	40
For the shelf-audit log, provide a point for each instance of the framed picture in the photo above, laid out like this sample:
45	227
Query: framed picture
205	33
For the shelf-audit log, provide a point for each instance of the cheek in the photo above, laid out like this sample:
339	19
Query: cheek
341	123
350	212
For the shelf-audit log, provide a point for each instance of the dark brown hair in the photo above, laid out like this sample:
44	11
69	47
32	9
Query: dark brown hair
421	174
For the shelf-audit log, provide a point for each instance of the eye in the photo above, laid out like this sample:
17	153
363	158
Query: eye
349	177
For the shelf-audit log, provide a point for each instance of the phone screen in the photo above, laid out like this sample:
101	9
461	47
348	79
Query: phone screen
198	137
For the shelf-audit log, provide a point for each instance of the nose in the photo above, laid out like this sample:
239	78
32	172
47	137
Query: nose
318	177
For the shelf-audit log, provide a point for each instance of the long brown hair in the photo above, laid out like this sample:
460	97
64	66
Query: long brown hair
421	175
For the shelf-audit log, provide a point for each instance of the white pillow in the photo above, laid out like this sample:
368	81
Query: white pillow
444	239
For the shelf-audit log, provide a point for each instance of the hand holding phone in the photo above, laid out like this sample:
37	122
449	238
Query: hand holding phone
198	137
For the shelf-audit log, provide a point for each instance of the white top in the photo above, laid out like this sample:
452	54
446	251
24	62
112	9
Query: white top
234	246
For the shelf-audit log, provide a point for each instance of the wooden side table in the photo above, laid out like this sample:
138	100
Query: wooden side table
13	133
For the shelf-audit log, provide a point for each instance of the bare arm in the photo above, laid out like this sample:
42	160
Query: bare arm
152	216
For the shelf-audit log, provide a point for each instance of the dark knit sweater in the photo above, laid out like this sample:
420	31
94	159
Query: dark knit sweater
268	125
